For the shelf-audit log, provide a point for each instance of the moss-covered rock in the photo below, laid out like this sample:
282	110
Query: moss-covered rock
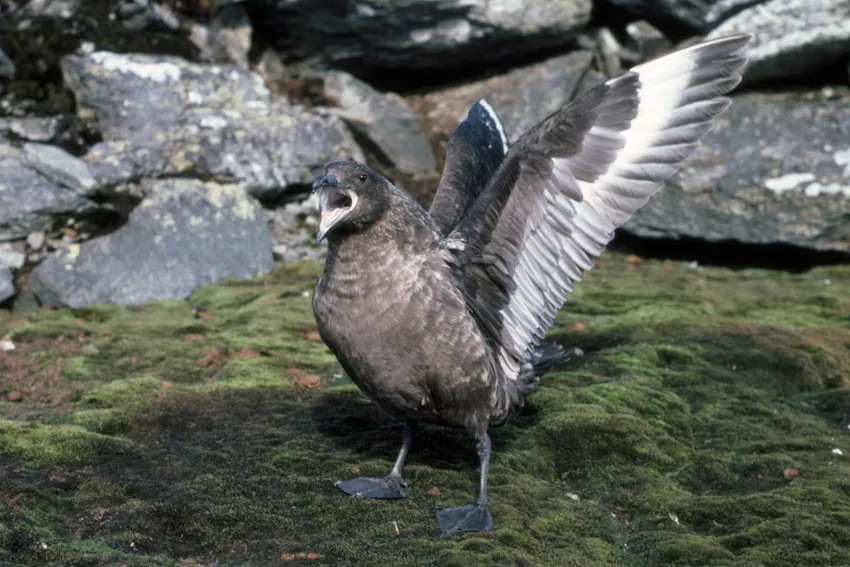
707	424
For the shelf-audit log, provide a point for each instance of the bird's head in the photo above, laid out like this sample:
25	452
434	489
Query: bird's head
352	196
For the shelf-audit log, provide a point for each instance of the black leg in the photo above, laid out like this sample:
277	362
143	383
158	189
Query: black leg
388	487
473	517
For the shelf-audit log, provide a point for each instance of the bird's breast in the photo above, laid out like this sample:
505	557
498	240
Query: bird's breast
403	334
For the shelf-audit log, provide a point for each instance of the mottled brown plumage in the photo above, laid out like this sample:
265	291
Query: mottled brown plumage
394	281
437	315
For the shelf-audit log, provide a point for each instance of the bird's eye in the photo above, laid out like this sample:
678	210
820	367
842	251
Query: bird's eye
362	177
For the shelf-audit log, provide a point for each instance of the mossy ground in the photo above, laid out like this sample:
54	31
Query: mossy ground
698	429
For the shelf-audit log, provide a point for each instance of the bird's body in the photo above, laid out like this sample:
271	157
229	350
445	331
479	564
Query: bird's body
367	313
438	315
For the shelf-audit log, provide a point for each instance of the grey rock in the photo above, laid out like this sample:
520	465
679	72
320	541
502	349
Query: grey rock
7	284
34	129
142	97
521	97
164	116
11	257
776	169
419	33
29	201
60	167
64	9
792	38
227	38
137	15
293	229
610	52
266	149
646	40
233	27
35	240
384	119
699	16
185	234
134	15
7	66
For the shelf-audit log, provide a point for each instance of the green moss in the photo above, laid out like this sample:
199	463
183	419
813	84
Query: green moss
109	421
123	393
697	429
59	444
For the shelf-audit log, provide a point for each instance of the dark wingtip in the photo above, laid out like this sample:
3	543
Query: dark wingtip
482	111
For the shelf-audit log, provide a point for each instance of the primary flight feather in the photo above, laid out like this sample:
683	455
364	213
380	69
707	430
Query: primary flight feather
438	315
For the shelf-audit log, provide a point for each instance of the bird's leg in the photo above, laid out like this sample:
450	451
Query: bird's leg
389	486
473	517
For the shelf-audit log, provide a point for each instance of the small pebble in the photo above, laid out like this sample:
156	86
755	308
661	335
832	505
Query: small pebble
35	240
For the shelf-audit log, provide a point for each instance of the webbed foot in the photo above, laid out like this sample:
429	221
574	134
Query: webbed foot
473	517
387	487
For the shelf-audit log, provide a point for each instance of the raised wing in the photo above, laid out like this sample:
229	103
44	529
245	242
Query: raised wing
567	183
474	153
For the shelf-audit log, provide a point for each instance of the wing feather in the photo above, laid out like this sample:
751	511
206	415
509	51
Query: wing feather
474	152
558	195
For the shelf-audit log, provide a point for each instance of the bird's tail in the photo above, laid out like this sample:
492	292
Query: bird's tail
540	361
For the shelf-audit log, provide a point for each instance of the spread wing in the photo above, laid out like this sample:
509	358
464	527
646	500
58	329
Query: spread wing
567	183
474	153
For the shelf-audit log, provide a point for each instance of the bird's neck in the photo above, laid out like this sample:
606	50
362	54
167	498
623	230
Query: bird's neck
400	237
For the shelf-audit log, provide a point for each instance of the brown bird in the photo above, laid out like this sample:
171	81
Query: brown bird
438	315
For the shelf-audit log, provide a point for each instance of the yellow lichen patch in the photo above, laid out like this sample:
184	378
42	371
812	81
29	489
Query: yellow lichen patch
167	221
73	251
231	196
180	161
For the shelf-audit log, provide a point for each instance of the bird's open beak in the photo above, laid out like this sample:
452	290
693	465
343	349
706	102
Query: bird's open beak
335	203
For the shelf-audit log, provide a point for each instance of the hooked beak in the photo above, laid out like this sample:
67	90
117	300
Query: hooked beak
335	203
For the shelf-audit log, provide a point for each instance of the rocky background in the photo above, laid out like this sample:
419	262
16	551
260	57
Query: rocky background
147	147
164	397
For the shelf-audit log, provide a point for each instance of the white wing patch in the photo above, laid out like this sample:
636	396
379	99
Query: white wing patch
679	96
494	118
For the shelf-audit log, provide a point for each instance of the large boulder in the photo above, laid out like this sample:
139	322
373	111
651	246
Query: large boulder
684	15
29	201
521	97
164	116
792	37
183	235
141	97
776	169
384	119
418	34
7	284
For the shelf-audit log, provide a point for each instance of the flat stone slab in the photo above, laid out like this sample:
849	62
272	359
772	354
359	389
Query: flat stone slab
185	234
